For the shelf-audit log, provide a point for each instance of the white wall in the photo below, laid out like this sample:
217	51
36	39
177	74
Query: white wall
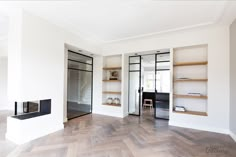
232	79
3	47
217	39
4	105
37	66
125	87
98	108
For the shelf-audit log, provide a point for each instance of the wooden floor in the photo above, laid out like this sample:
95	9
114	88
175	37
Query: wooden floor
5	146
101	136
73	114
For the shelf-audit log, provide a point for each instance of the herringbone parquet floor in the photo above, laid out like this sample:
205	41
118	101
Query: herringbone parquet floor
101	136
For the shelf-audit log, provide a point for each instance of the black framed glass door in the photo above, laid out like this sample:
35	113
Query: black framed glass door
79	84
134	85
162	85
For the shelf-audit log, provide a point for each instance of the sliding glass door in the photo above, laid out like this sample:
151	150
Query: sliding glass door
134	85
79	86
156	81
162	85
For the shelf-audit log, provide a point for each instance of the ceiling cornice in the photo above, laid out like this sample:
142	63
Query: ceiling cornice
161	32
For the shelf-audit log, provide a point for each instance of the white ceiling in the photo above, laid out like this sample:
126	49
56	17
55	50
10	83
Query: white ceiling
107	21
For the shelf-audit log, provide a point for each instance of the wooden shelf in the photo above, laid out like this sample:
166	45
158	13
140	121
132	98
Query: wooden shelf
111	92
118	105
112	68
190	80
192	113
190	63
190	96
184	70
111	80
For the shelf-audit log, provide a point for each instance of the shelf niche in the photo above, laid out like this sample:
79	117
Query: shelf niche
190	76
112	83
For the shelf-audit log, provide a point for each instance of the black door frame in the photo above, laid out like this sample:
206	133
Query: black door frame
139	90
85	71
156	69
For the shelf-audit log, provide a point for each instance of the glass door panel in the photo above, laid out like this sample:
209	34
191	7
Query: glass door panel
163	81
134	85
79	66
134	59
162	85
134	67
79	57
79	85
162	57
163	65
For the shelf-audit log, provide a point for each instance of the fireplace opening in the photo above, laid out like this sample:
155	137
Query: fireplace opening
31	109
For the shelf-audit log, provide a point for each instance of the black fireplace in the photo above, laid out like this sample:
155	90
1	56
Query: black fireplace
33	109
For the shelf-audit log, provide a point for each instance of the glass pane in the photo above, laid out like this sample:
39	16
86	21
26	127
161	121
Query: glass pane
27	107
134	97
163	65
134	59
79	94
162	105
76	65
134	67
78	57
162	112
149	81
163	57
163	81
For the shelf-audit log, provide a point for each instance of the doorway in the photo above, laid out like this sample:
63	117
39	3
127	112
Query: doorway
79	84
149	84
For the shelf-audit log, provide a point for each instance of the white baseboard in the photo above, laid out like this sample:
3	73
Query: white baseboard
108	114
233	135
125	115
65	120
196	127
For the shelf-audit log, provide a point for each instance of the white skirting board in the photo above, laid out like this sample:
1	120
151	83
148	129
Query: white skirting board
108	113
65	120
202	128
232	135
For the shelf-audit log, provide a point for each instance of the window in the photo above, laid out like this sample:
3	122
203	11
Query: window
163	81
149	81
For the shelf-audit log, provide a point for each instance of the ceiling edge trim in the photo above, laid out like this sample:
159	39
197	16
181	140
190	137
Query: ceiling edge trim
160	32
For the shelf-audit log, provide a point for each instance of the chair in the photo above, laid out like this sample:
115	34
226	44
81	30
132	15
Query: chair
148	103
